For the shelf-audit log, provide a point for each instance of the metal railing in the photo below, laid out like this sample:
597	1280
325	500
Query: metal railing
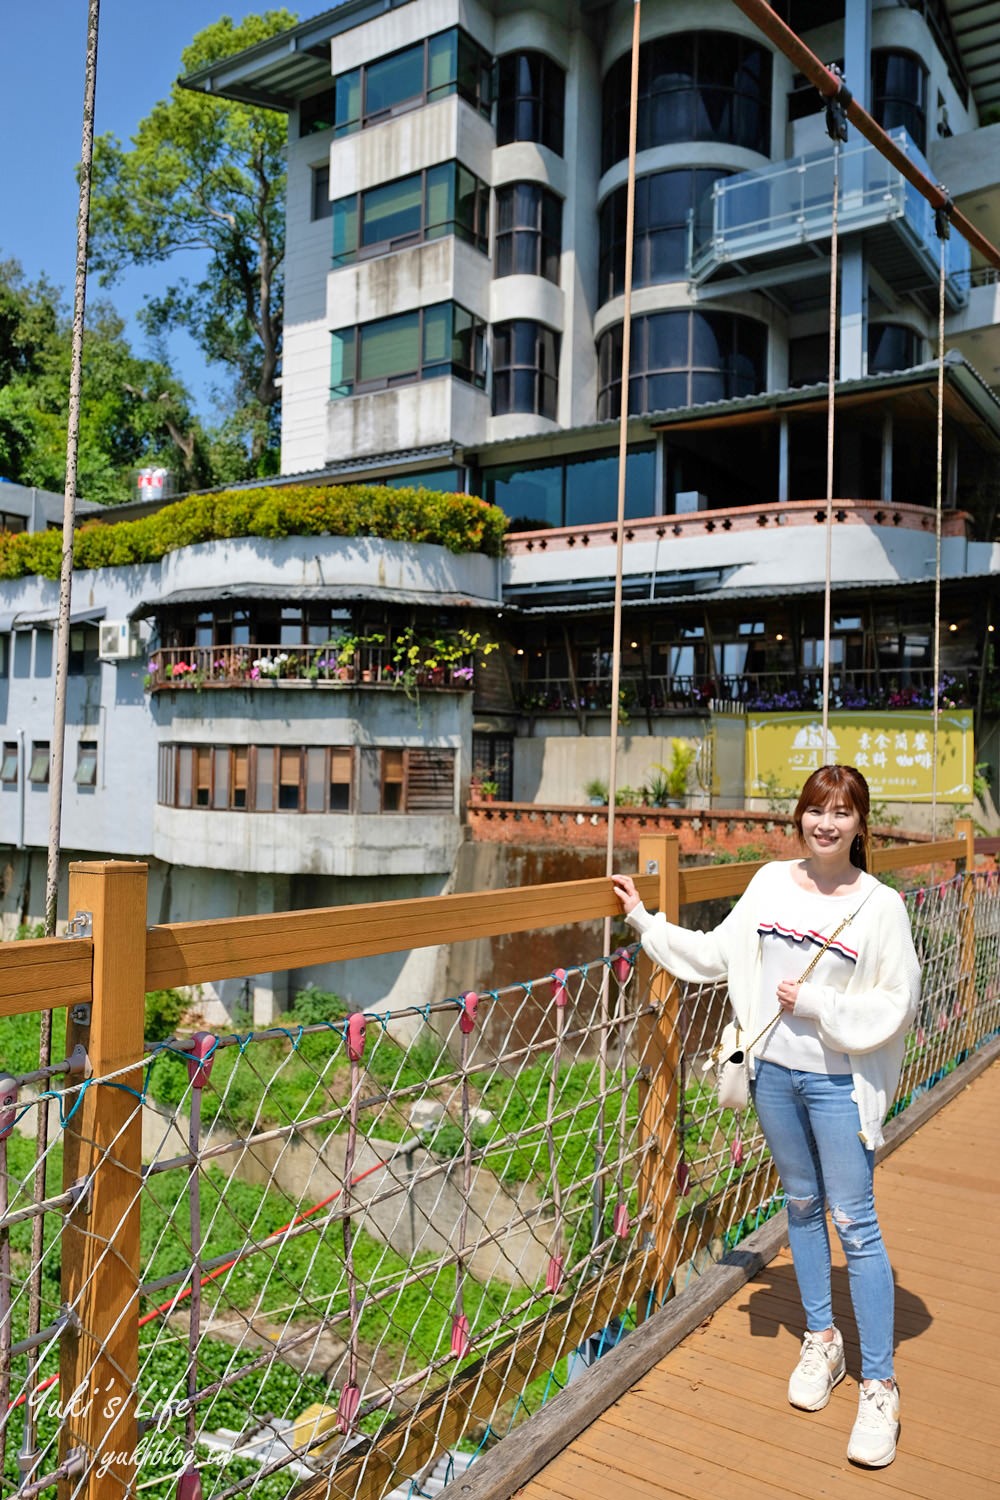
258	665
314	1259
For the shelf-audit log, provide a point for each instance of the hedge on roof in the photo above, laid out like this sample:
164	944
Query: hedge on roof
462	523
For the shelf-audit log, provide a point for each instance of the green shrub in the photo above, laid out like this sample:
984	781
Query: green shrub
164	1012
462	523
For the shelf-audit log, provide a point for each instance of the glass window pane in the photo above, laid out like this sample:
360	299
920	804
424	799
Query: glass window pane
240	757
289	763
203	776
340	780
315	780
442	62
390	347
667	334
392	211
86	764
342	373
185	775
264	785
392	780
441	198
394	80
437	334
220	795
347	106
345	229
530	496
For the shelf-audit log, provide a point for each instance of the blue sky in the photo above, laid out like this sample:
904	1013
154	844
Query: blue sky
41	98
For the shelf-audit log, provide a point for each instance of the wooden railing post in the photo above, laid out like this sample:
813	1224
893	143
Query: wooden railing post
964	828
102	1159
660	1043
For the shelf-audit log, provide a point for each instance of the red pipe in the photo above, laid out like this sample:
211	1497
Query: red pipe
785	39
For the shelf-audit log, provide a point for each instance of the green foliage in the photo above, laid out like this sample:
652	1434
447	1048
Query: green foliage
207	174
133	410
675	776
461	523
164	1011
597	788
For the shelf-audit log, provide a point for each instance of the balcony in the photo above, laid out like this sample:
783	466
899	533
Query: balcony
305	666
761	222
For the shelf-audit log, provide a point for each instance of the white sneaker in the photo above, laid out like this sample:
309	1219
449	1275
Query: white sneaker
820	1368
873	1437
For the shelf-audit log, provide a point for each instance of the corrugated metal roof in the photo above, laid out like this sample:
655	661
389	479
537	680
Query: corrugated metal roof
312	593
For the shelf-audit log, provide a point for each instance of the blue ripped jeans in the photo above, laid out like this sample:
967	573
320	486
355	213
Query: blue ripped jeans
810	1122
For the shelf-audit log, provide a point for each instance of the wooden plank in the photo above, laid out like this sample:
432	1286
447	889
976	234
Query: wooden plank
191	952
502	1375
499	1472
44	974
102	1144
660	1056
908	856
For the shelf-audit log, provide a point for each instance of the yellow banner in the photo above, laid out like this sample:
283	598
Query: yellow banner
894	751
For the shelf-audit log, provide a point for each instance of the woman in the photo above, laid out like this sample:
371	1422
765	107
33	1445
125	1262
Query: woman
825	1068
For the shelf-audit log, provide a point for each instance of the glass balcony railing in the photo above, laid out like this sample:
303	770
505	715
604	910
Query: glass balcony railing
767	212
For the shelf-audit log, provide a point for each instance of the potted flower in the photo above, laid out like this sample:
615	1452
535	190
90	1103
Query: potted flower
657	790
488	790
596	792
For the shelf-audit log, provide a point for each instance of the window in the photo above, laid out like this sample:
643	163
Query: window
86	763
529	231
8	767
892	346
10	522
531	92
493	760
899	94
446	199
38	771
316	112
83	658
693	86
393	780
255	778
322	207
576	492
682	359
663	203
448	63
418	781
441	340
525	368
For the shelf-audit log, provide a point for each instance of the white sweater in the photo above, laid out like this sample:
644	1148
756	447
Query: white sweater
868	1018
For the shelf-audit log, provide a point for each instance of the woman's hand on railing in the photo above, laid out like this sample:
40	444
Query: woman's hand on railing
624	889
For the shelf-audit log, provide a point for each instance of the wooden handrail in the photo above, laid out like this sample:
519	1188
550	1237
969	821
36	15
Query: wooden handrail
44	974
194	952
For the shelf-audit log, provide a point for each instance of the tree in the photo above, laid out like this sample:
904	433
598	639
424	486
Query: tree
208	175
133	410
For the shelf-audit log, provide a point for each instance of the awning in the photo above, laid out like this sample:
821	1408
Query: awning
30	619
313	594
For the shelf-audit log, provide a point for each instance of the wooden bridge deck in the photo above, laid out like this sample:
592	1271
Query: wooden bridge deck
711	1420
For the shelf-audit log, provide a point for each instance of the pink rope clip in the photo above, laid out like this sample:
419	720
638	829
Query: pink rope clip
622	1221
355	1046
470	1004
554	1275
347	1407
736	1151
200	1060
683	1177
559	986
621	963
460	1336
8	1106
189	1485
921	896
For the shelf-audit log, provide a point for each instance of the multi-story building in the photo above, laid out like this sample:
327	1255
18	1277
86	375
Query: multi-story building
453	317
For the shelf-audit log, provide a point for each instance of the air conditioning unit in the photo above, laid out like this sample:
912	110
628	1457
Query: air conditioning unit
117	640
687	502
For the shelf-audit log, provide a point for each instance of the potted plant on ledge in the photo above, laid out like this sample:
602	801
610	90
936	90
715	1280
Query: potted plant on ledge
675	776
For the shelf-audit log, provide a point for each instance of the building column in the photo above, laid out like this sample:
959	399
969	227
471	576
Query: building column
782	459
853	275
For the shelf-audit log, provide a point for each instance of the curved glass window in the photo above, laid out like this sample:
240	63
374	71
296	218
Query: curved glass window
531	92
663	201
892	346
529	231
525	368
693	86
899	94
682	359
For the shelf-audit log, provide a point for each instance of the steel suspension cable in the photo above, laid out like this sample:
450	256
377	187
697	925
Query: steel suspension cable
830	433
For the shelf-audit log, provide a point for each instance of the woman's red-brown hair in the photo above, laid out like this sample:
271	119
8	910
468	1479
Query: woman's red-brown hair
845	784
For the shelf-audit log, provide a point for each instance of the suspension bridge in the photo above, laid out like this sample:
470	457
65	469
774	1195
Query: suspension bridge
377	1254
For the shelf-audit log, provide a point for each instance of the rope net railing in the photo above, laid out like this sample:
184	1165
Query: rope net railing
370	1244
